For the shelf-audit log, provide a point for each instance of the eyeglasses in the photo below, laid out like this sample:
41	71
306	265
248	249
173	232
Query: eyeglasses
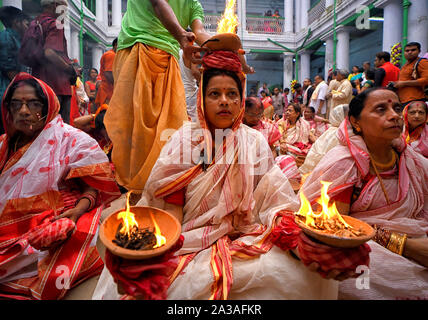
33	105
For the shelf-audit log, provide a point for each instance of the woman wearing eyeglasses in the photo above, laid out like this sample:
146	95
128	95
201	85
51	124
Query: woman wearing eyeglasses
54	181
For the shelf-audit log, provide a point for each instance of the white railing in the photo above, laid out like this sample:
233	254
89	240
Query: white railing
316	12
211	22
265	25
255	24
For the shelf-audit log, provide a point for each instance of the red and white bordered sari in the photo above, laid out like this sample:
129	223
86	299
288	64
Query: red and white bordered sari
270	131
296	137
418	138
228	215
347	166
318	126
327	141
36	183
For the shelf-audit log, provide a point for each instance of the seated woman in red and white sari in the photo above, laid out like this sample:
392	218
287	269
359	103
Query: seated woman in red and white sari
318	124
416	127
296	132
54	181
327	141
253	118
219	179
378	179
295	142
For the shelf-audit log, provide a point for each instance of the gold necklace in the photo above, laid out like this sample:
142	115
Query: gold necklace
385	166
381	182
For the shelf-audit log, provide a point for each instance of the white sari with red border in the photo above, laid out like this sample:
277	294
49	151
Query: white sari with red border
391	276
228	213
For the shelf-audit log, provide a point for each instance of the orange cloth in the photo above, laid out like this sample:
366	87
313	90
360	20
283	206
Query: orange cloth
105	91
407	94
148	98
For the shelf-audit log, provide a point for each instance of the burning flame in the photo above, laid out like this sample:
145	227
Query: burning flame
229	20
129	222
328	211
128	218
160	239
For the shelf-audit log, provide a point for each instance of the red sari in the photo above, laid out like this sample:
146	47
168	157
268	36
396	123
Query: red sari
39	182
418	138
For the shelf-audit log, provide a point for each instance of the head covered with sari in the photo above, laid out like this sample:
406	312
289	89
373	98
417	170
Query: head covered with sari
57	148
395	199
418	137
229	202
227	63
224	187
50	110
40	180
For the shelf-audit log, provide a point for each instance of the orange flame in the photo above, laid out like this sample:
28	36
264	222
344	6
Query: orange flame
129	222
229	20
328	211
160	239
128	218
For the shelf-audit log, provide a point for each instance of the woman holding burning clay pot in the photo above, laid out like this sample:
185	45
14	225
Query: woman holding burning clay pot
219	178
377	178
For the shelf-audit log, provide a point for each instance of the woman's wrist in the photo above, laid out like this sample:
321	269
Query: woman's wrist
408	248
393	241
82	205
86	202
397	243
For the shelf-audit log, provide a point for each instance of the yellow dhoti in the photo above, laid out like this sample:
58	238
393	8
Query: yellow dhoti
148	100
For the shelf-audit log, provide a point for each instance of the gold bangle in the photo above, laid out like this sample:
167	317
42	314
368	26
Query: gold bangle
403	240
393	242
396	243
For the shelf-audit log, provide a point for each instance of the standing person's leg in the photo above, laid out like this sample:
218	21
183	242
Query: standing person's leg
65	102
139	114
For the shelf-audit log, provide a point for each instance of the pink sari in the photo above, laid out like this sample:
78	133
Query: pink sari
318	127
270	132
347	167
296	138
418	138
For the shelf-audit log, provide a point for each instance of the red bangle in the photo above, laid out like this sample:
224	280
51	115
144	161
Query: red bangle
382	236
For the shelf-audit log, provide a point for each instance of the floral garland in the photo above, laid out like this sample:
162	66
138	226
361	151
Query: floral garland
396	52
292	84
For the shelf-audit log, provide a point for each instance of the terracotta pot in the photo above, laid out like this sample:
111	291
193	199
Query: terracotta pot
340	242
169	226
224	41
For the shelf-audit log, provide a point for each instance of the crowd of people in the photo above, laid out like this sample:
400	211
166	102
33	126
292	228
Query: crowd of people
159	121
304	115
